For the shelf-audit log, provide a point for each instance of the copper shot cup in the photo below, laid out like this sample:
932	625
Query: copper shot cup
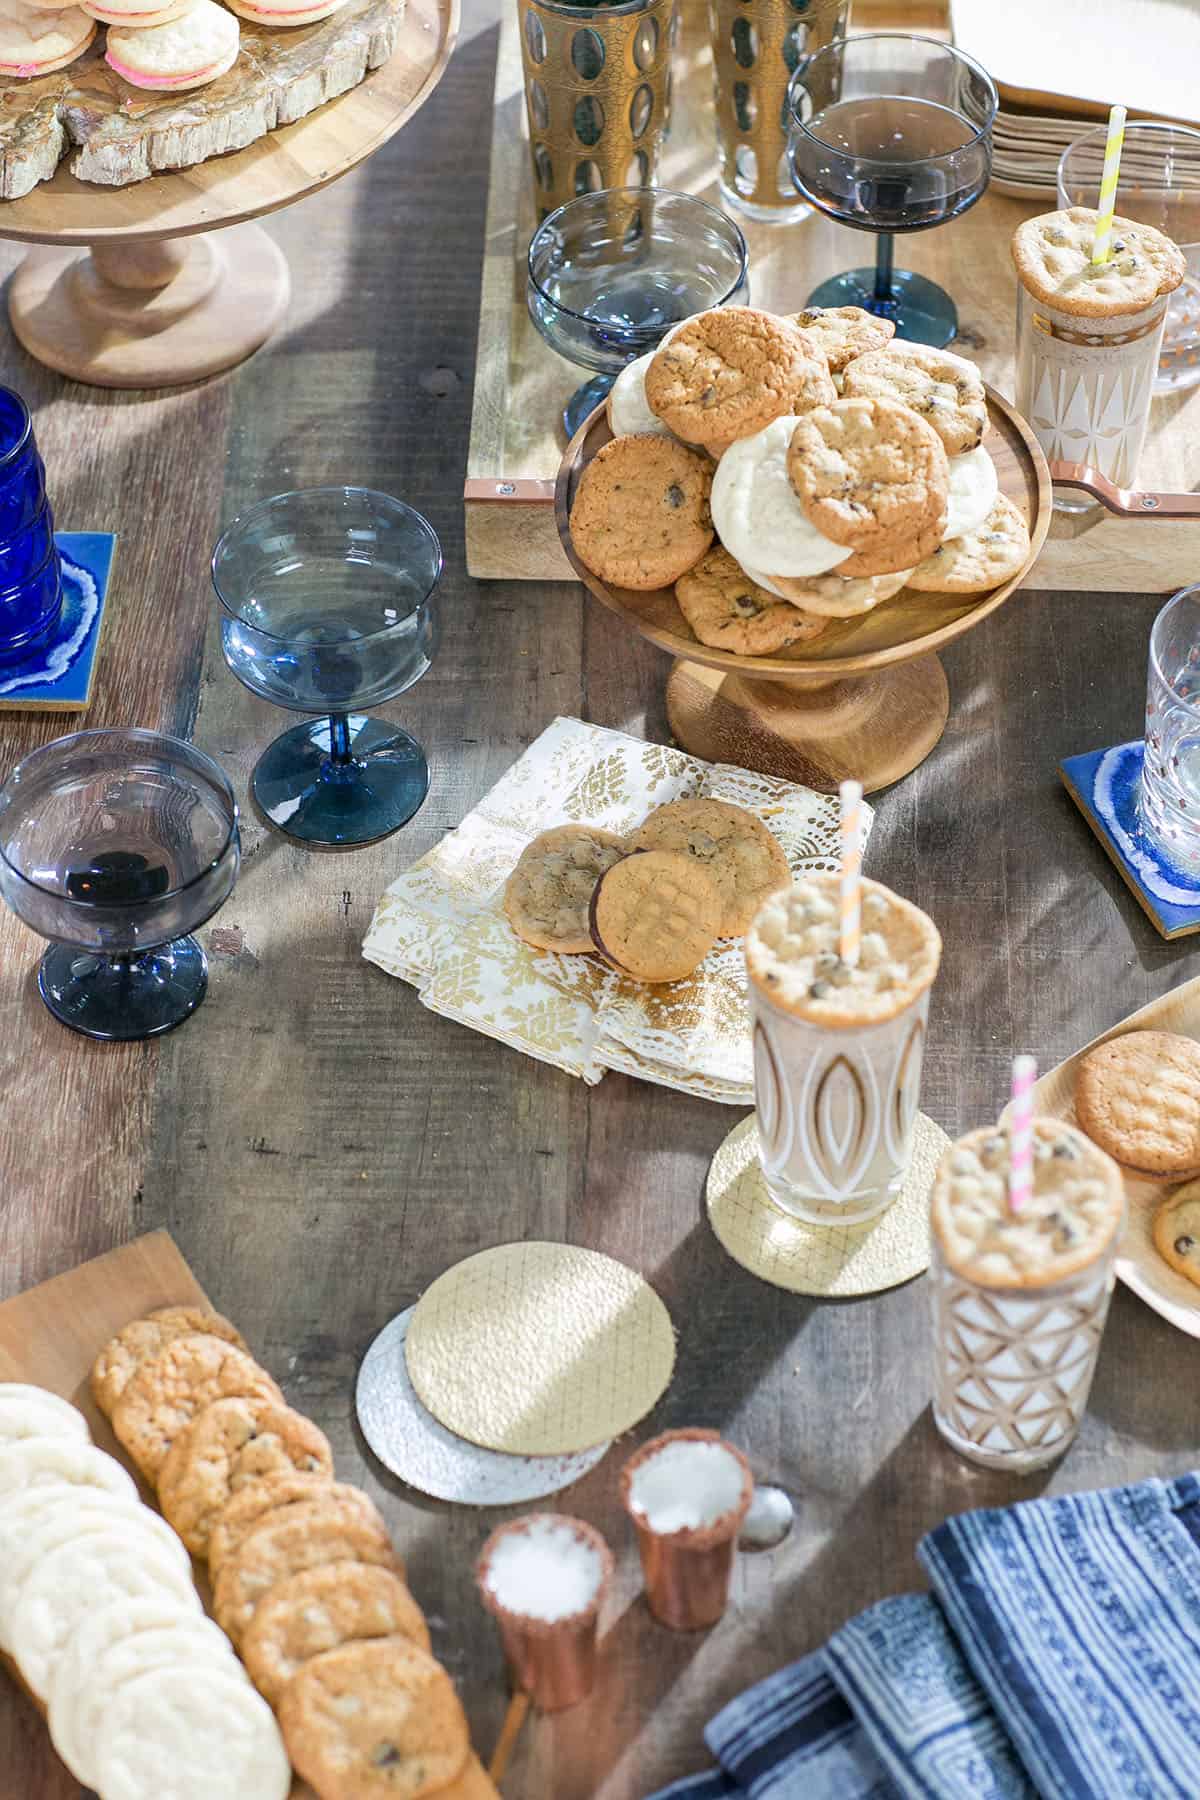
551	1660
687	1571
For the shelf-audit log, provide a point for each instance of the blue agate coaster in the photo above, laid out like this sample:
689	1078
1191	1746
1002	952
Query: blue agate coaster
58	675
1105	785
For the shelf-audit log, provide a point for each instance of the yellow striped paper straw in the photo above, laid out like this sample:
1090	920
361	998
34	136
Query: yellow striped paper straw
1020	1130
850	795
1108	185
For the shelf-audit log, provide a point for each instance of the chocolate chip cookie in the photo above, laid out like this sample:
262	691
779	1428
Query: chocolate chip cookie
641	516
1053	255
231	1443
874	476
1177	1231
726	843
374	1720
728	373
167	1390
145	1337
980	560
840	596
248	1508
321	1608
843	332
287	1542
548	894
944	389
655	916
728	610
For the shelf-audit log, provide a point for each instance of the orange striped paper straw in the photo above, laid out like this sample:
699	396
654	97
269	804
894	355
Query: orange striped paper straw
850	933
1020	1133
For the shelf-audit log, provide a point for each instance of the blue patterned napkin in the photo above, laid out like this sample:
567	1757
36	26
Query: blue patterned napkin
1060	1658
1081	1618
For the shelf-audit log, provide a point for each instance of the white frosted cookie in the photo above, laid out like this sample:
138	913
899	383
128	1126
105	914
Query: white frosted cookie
974	485
28	1412
212	1731
36	1461
77	1713
628	409
111	1623
36	42
756	513
281	17
77	1578
838	596
64	1515
138	15
981	559
188	52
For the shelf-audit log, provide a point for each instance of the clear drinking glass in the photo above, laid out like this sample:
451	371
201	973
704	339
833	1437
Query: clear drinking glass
611	273
327	606
1170	798
117	845
1159	185
757	46
891	133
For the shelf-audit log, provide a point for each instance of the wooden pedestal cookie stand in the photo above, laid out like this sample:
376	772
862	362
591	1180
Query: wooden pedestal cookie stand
130	288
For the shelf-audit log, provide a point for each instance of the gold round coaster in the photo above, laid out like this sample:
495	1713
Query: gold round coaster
834	1260
539	1349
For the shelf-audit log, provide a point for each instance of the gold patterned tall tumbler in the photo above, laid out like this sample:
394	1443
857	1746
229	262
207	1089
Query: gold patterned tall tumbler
597	93
757	46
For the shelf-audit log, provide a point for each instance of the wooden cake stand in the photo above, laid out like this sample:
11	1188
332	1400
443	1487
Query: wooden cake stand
153	299
868	699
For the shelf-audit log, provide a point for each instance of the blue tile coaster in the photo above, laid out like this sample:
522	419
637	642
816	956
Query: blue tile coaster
1104	785
58	676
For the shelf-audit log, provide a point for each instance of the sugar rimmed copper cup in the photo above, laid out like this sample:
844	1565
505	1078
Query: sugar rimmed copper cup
553	1660
687	1569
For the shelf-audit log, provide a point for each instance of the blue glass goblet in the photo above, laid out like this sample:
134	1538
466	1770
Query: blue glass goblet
891	132
327	606
117	845
30	573
611	272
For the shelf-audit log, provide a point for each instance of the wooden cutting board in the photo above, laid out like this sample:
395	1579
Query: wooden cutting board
51	1335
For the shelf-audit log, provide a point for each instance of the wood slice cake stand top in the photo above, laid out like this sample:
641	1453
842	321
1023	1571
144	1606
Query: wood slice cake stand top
868	698
284	166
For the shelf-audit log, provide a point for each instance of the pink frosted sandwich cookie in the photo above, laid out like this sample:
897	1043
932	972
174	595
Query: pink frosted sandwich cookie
283	16
185	53
138	15
39	42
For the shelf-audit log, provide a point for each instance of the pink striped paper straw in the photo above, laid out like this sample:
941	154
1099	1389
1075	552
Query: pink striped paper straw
850	932
1020	1131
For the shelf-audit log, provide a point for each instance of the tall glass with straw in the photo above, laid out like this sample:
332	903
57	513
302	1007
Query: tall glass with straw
1027	1216
1089	330
840	972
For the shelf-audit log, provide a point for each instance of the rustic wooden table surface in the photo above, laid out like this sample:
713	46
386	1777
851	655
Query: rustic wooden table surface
321	1147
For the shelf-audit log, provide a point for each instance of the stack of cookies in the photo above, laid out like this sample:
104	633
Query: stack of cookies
306	1582
100	1612
782	472
654	903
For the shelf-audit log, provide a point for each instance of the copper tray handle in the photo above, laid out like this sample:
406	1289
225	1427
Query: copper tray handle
1126	503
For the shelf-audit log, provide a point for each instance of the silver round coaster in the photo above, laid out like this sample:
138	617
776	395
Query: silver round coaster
409	1441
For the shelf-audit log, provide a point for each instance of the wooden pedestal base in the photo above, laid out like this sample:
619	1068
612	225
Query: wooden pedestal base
150	314
874	729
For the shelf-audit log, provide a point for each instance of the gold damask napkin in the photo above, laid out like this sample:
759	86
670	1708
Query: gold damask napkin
441	926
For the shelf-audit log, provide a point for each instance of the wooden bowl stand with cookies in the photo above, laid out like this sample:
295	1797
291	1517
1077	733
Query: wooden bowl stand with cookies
128	286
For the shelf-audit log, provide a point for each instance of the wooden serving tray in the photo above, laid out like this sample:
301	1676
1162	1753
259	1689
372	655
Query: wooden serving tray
51	1335
1139	1265
521	385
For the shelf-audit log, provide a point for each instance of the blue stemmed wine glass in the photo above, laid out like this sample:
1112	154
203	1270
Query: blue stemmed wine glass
611	272
889	133
327	607
30	571
117	845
